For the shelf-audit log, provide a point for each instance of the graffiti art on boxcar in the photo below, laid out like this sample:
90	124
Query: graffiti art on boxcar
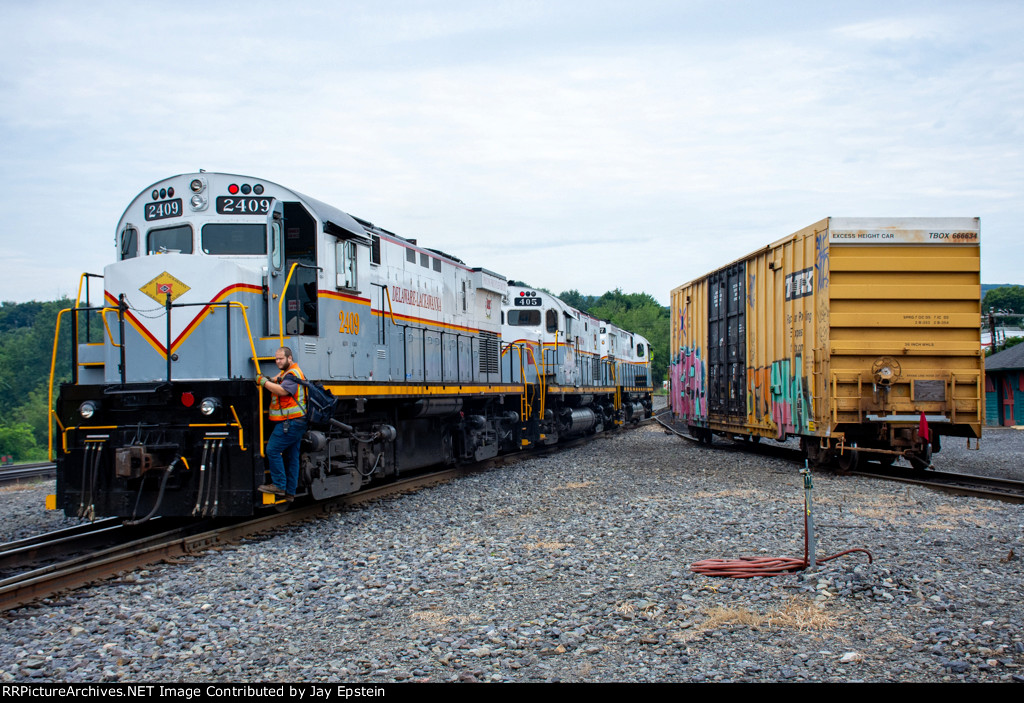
822	321
758	381
821	263
750	290
791	409
689	400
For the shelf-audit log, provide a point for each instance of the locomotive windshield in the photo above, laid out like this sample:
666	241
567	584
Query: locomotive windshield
234	238
524	318
170	240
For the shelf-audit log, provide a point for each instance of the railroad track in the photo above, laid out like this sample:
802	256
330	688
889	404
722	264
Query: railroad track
16	473
1006	490
40	567
113	549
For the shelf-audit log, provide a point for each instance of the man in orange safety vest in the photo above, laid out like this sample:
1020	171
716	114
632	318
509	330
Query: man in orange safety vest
288	413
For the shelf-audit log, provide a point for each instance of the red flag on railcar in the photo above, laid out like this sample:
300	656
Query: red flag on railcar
922	428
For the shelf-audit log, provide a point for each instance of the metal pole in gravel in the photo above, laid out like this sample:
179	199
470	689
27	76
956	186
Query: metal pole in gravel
811	547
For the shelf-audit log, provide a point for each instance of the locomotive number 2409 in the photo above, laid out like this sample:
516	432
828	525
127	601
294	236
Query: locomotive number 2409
243	206
163	210
349	322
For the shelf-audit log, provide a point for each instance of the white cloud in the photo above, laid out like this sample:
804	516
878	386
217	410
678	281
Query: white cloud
602	148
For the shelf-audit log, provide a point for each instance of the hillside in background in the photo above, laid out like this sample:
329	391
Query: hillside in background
27	329
26	347
986	287
636	312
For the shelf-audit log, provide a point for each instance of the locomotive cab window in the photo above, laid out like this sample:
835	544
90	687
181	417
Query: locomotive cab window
234	238
640	350
374	249
552	320
129	243
524	318
170	240
345	254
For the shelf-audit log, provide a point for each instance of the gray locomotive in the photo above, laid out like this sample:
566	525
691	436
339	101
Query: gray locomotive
431	361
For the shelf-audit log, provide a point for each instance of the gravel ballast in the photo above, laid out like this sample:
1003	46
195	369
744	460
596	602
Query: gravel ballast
573	567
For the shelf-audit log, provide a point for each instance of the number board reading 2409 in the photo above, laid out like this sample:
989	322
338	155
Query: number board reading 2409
243	206
163	210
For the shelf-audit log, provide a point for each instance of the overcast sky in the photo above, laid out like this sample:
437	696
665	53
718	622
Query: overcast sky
588	145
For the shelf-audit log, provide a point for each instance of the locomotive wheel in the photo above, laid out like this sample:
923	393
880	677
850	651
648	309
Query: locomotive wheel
849	459
447	447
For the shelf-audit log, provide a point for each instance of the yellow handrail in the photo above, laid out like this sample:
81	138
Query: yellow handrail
390	308
110	335
280	304
53	365
256	363
78	296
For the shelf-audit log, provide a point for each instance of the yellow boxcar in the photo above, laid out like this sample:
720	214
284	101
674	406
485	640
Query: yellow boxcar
859	335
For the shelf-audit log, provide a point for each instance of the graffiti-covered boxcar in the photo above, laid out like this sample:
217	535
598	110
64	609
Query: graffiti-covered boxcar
858	335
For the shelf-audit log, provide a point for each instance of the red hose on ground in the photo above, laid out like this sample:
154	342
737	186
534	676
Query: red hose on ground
750	567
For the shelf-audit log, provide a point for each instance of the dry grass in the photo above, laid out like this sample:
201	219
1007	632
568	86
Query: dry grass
729	493
967	516
649	611
17	487
572	485
546	545
625	608
432	617
888	516
794	615
436	618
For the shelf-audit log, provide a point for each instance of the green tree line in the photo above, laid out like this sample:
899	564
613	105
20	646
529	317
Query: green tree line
26	346
1004	299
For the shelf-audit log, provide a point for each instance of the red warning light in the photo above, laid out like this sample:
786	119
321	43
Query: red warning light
187	399
233	189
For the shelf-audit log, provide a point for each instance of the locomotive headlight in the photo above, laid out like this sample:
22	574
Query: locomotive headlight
197	185
198	202
88	409
209	406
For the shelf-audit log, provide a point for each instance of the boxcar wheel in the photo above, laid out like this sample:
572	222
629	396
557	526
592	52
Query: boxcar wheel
849	459
813	451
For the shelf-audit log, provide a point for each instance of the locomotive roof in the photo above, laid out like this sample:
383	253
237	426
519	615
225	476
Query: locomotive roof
327	213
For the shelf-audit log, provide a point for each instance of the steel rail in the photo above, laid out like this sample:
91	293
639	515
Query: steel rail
1006	490
17	473
25	588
